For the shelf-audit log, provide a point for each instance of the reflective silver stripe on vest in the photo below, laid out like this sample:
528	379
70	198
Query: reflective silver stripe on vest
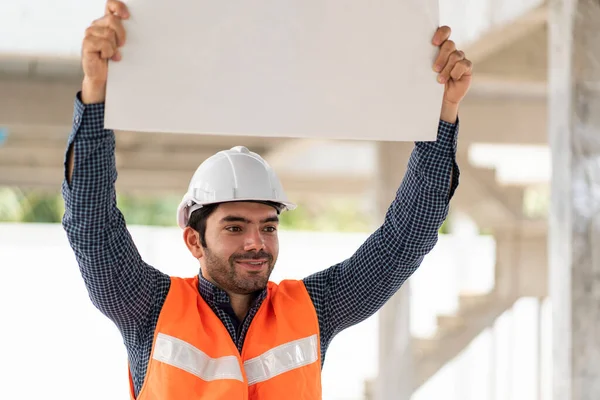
280	359
180	354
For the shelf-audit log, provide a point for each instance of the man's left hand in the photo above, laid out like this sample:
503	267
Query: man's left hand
455	70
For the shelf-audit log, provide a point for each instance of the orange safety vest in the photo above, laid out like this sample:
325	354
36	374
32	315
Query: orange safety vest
193	356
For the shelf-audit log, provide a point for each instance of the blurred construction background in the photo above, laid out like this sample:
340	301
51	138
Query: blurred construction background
479	319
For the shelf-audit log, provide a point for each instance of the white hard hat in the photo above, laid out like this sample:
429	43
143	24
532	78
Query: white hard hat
231	175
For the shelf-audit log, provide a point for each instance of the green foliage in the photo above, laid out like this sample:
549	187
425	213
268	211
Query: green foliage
42	207
338	215
10	206
445	228
30	206
144	210
333	215
18	205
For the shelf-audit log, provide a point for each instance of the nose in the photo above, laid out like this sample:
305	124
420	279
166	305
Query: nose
254	240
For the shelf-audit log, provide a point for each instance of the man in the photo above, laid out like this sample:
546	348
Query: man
229	333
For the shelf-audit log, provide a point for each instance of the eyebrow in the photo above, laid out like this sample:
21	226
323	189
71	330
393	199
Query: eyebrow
234	218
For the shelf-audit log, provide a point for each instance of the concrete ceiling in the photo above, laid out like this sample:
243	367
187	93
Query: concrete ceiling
507	104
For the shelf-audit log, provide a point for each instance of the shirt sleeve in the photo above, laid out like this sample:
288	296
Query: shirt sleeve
351	291
120	284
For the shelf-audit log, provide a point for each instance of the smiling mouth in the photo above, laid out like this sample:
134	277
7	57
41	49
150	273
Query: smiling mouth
252	264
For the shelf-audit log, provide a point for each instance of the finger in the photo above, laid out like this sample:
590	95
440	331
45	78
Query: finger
454	58
94	44
105	33
116	7
446	49
116	56
114	23
461	69
441	35
102	32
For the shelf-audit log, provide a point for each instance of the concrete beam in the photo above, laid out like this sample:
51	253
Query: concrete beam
489	85
503	120
279	156
29	107
502	36
49	157
34	103
525	59
152	168
160	182
490	205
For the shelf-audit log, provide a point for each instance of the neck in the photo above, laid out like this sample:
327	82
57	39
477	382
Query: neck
240	304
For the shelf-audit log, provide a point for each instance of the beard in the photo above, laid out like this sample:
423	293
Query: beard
234	278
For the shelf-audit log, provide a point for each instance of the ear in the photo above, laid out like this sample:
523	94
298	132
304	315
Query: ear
192	240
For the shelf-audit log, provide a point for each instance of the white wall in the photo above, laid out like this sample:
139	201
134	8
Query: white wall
57	345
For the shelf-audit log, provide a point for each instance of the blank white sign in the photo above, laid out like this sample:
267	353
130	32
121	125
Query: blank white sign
343	69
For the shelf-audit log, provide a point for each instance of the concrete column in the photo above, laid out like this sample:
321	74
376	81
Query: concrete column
394	381
533	264
507	264
540	349
521	262
574	228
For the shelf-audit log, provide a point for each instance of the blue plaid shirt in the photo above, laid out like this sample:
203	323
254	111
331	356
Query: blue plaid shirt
131	293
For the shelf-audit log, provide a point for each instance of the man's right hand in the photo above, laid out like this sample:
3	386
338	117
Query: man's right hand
101	43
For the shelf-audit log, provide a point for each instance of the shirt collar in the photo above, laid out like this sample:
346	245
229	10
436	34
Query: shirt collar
211	293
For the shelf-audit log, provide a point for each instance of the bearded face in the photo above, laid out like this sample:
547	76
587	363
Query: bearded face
241	246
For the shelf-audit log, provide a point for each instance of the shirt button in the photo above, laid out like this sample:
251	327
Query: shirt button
77	119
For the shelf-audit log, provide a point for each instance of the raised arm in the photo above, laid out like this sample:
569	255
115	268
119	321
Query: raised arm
120	284
353	290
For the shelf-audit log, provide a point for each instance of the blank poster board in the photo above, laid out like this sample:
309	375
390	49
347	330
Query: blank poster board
338	69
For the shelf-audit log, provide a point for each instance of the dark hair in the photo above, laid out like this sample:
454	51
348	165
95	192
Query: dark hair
199	217
198	220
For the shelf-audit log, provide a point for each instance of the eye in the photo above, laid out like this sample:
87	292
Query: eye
233	229
270	229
